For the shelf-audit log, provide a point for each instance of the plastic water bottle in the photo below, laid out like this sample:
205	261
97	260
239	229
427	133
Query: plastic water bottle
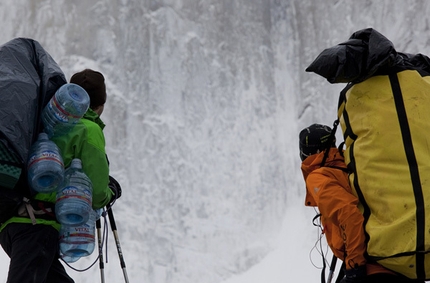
74	196
45	165
78	241
69	259
64	110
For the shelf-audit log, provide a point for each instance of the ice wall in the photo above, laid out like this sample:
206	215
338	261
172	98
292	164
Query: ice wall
205	99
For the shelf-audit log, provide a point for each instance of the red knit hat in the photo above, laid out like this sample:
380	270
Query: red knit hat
94	83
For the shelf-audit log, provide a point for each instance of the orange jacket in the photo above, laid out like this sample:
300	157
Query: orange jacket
328	188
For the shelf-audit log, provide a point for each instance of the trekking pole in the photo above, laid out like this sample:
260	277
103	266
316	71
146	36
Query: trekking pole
100	241
332	268
118	246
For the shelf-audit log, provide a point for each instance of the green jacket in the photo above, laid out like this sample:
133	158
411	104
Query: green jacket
86	142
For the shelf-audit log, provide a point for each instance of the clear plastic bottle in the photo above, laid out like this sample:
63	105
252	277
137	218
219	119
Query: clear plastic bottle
64	110
69	259
45	165
78	241
74	196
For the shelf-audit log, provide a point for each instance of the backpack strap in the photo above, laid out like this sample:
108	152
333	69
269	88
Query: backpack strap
30	210
34	209
344	169
330	141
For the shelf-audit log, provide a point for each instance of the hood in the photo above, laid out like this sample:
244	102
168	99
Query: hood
94	117
313	163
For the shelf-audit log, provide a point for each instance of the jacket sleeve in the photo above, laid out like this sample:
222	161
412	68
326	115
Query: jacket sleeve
338	205
95	165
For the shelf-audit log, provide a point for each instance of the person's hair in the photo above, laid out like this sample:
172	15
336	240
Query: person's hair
94	84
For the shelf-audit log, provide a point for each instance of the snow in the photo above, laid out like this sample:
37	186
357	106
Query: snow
205	101
294	257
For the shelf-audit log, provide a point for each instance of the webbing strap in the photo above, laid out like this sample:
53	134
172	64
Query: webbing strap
330	141
30	211
34	209
413	170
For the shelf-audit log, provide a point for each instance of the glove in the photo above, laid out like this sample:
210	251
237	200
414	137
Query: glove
355	275
116	189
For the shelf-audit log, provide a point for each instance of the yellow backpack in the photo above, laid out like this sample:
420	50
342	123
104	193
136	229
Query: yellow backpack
384	112
385	121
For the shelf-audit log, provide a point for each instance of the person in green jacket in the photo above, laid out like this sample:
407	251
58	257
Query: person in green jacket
86	140
34	248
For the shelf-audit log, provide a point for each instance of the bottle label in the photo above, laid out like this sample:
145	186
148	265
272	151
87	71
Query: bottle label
72	192
59	113
83	231
47	155
68	236
63	113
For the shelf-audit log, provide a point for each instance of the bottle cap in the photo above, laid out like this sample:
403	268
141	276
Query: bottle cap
43	136
76	162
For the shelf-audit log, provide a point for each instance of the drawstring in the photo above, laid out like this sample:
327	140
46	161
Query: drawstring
318	224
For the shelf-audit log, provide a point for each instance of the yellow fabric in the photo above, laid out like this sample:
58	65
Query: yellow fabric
383	175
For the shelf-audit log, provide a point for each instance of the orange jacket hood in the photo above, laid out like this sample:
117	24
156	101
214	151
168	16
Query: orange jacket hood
313	162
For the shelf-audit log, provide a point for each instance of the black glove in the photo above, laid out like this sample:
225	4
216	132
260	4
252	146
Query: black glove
116	189
355	275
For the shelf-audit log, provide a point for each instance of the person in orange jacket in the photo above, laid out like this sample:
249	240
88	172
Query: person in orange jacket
327	187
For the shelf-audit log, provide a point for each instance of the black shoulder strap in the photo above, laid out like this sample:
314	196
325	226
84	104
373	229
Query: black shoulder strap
330	141
344	169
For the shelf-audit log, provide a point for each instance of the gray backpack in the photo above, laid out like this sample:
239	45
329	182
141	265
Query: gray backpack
29	77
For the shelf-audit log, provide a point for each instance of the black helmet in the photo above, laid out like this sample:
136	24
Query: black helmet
314	139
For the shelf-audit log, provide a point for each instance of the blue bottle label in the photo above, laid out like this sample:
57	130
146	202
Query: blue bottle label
47	155
59	114
70	192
